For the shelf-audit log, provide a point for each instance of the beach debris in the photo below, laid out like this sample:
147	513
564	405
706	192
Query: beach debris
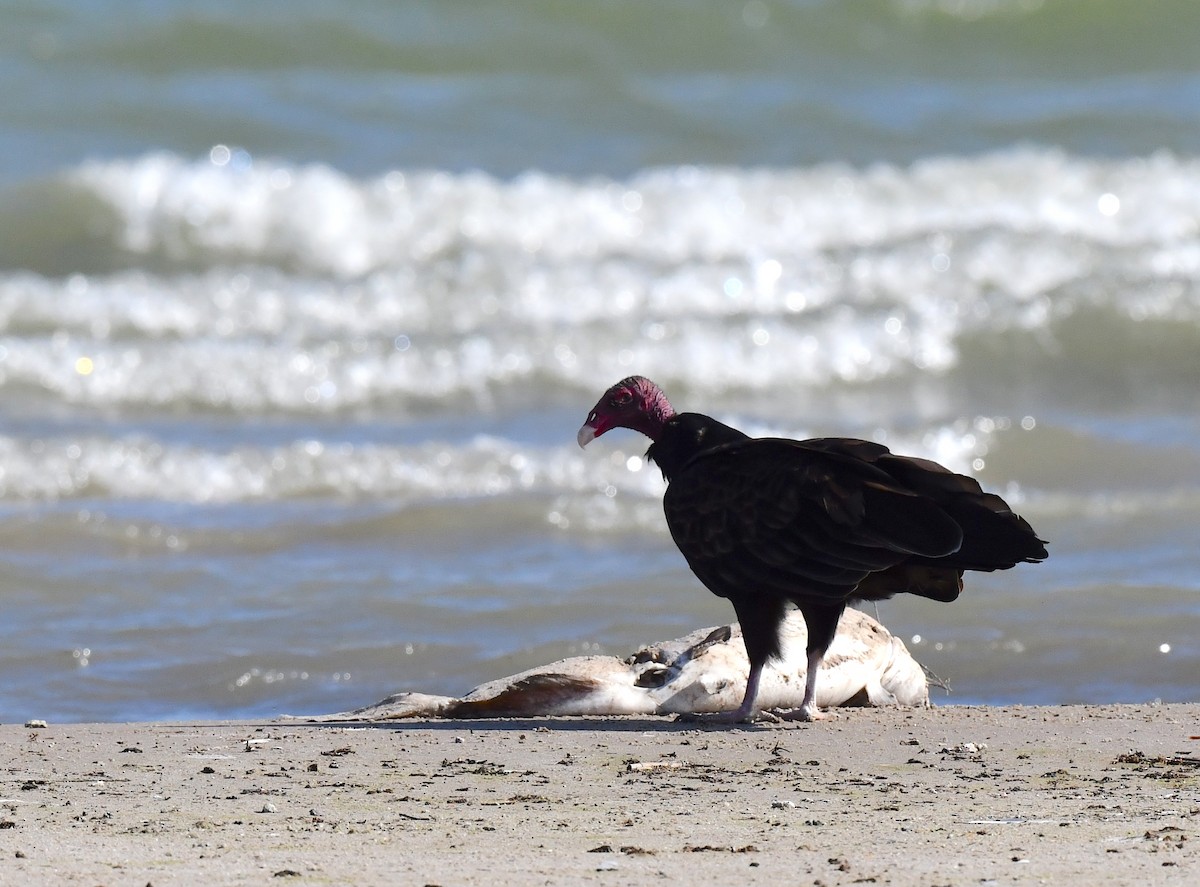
35	724
1141	758
712	848
653	766
704	671
1169	837
964	749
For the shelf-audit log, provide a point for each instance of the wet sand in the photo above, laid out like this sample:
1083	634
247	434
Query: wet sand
950	795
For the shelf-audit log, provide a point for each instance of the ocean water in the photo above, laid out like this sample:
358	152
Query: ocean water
301	307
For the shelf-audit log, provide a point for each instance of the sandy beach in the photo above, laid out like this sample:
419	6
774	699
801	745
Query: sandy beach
950	795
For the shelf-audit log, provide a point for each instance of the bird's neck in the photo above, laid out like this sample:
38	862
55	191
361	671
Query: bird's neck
684	436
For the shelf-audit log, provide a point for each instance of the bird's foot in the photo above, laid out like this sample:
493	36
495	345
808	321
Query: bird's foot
805	713
718	718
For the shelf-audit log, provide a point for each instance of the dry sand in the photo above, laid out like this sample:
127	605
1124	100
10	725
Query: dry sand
952	795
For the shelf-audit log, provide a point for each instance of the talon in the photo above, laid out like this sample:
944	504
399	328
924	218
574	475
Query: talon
806	713
723	718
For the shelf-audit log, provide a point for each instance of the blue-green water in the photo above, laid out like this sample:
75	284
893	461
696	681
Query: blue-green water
301	305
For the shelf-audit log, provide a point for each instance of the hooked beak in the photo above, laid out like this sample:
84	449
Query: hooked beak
595	426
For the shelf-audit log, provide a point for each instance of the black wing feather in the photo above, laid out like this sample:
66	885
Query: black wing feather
994	538
782	518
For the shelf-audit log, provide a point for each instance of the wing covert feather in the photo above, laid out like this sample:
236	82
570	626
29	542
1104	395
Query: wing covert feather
778	516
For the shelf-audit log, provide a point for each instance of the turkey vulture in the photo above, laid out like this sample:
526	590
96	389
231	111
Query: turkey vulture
818	523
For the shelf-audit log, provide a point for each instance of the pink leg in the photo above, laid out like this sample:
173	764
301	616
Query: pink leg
808	707
744	713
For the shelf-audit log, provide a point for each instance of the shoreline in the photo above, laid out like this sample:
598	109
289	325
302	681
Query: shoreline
946	795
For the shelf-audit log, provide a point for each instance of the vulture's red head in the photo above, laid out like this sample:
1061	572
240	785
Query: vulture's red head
635	403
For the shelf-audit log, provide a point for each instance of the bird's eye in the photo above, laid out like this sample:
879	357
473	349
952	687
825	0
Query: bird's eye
620	399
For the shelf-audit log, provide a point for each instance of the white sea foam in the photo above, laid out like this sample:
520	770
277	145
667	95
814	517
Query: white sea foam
610	476
329	223
279	287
